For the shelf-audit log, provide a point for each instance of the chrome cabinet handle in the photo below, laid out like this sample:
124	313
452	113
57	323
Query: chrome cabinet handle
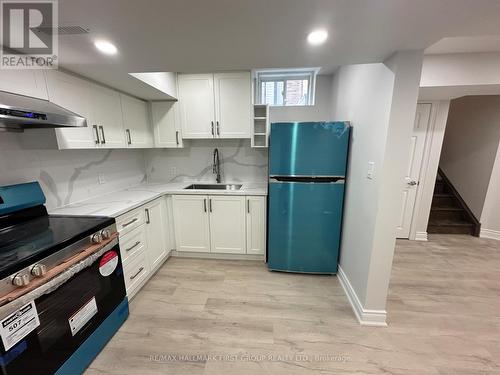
97	140
218	129
205	205
134	245
147	216
129	137
248	205
177	137
210	204
130	222
212	128
137	274
102	134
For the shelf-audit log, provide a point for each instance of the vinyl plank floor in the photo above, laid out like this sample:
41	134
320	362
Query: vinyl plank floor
208	317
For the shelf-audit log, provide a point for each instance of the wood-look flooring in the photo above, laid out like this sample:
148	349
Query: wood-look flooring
217	317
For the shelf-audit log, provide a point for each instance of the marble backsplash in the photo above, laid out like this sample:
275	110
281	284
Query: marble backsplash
238	162
66	176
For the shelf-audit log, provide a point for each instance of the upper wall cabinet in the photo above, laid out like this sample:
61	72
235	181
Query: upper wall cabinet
107	116
24	82
166	124
74	94
215	105
136	122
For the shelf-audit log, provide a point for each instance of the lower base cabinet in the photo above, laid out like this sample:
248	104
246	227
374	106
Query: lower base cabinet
223	224
143	235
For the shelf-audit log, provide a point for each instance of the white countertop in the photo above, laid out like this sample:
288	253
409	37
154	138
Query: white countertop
117	203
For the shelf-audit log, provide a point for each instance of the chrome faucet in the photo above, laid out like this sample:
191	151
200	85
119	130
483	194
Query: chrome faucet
216	166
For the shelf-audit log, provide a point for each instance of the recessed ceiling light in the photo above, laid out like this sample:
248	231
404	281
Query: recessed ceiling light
106	47
317	37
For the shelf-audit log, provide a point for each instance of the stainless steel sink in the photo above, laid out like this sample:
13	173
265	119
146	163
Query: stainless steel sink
214	187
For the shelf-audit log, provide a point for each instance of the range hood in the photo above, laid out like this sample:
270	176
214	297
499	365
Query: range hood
18	112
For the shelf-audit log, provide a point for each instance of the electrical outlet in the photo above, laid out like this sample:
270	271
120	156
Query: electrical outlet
371	170
173	171
101	179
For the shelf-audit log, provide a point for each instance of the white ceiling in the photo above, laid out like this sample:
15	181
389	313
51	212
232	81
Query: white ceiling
203	35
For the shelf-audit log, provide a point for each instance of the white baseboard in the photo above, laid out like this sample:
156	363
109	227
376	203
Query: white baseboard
188	254
490	233
421	236
365	317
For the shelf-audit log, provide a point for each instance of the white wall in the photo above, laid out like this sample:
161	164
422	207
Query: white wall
166	82
490	218
239	162
380	101
320	111
66	176
470	147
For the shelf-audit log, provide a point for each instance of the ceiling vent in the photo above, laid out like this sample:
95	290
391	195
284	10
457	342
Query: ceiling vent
63	30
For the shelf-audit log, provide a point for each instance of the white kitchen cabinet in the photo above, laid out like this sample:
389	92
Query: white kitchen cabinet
73	94
107	115
191	223
156	233
166	124
215	105
136	272
24	82
138	132
256	225
196	99
227	224
233	110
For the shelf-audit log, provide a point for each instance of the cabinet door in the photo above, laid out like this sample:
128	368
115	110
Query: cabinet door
227	224
233	104
256	225
156	230
107	110
191	223
136	122
196	99
24	82
74	94
166	123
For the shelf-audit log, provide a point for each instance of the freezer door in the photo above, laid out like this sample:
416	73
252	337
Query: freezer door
309	149
305	221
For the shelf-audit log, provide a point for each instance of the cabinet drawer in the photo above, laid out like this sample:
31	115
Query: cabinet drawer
129	221
135	271
133	242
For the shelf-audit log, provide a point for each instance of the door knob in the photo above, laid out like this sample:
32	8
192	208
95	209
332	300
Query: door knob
412	183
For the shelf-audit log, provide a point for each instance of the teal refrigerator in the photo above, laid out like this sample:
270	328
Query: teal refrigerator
307	170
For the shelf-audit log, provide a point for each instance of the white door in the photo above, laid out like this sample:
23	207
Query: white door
256	225
412	173
233	105
196	99
191	223
156	226
166	124
74	94
136	122
107	110
227	224
24	82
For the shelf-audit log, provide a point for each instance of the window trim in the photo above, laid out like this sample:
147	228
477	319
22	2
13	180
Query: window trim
284	75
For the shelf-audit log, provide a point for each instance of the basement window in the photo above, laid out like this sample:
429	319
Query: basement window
293	87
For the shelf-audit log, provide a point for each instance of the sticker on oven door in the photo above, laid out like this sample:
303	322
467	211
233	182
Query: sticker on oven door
18	325
82	316
108	263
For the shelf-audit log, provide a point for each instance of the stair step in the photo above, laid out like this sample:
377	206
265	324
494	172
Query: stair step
444	201
450	229
447	213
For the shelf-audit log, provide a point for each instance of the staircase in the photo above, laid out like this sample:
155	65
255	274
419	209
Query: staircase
449	213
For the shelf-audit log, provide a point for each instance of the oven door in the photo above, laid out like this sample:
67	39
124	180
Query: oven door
71	317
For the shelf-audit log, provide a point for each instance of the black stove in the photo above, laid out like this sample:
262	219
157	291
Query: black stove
30	234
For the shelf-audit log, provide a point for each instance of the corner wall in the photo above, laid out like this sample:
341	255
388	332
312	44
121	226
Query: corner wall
380	101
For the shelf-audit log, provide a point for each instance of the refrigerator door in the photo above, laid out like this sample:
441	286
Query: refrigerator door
304	226
308	148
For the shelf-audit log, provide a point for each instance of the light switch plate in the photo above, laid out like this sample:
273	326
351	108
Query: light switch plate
101	179
371	170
